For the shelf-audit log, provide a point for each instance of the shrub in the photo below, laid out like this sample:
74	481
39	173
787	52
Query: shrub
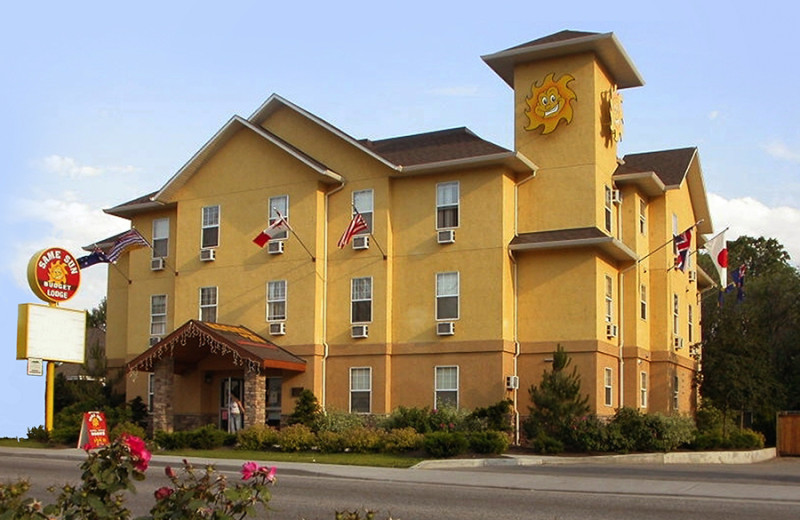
445	444
296	437
491	442
331	442
38	433
402	439
337	421
207	437
670	431
362	439
126	427
746	439
588	434
495	417
402	417
306	410
258	437
546	444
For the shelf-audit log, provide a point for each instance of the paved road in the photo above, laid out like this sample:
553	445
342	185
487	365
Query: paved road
767	490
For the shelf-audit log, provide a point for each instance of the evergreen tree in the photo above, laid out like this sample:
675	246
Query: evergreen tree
306	410
557	400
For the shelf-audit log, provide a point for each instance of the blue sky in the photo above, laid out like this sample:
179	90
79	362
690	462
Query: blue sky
102	103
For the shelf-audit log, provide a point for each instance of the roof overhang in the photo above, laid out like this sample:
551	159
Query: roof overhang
646	182
605	46
514	161
605	243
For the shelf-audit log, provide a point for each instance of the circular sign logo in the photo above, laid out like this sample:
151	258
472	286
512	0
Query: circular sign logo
54	275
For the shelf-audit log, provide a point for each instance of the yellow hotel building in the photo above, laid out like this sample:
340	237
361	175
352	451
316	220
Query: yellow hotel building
477	263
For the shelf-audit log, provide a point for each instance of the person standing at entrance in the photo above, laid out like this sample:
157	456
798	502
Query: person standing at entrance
236	411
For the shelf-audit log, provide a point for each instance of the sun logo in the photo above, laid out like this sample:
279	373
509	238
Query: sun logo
550	102
57	273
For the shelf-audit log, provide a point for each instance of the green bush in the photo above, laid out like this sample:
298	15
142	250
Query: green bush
402	417
296	437
331	442
337	421
129	428
207	437
38	433
496	417
258	437
171	441
489	442
450	419
546	444
670	432
746	439
402	439
361	439
445	444
306	410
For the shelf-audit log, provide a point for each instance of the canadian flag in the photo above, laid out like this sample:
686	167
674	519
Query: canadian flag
276	228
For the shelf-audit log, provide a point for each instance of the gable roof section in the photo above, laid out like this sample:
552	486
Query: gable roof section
195	340
605	46
671	168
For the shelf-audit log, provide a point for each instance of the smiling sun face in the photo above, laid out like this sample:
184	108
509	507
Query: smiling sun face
550	102
57	273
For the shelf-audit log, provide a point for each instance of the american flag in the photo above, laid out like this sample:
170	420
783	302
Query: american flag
356	226
127	240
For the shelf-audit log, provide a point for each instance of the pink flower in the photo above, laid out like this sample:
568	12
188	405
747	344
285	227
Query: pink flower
170	472
163	492
268	472
249	469
138	449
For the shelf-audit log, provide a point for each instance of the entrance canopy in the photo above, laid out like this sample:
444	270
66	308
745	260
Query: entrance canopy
195	340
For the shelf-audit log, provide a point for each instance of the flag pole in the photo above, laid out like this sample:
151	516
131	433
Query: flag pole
370	232
313	259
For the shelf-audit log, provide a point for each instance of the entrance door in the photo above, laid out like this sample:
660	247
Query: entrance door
231	386
274	401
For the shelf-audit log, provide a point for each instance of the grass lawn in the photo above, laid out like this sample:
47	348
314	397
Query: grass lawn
383	460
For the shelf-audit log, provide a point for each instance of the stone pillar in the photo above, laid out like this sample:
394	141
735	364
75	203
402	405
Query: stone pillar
255	398
164	385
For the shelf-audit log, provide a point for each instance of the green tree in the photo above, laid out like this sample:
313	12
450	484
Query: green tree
97	316
306	410
557	400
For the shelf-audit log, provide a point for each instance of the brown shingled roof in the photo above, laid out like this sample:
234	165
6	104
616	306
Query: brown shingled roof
671	166
558	235
557	37
432	147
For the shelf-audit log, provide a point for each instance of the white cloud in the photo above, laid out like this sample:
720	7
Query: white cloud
69	167
458	91
713	114
779	150
748	216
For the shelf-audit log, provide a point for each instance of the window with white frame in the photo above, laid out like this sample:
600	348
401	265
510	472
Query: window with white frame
676	322
361	300
609	295
363	202
642	216
675	224
160	237
609	209
675	392
608	386
158	315
690	316
361	390
276	300
446	385
643	389
447	204
447	291
151	391
210	227
208	304
643	302
279	204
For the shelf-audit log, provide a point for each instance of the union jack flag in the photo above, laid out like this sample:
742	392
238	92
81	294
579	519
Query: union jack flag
683	243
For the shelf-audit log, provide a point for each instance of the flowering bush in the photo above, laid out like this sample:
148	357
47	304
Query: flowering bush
109	472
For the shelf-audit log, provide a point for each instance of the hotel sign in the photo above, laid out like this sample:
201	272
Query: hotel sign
54	275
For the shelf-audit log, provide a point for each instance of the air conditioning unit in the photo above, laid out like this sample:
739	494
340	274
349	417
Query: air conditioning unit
616	197
445	328
677	342
208	255
446	236
277	328
611	330
275	247
157	264
361	242
154	340
512	382
359	331
692	276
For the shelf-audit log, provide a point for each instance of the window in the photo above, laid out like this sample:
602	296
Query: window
279	204
447	296
361	300
151	391
676	325
675	392
690	336
446	387
643	302
608	384
674	224
158	315
363	203
609	299
642	217
361	390
208	304
210	230
276	300
609	212
643	389
447	195
160	237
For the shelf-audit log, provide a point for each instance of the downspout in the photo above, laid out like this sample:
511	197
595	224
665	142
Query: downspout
621	314
325	348
516	306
